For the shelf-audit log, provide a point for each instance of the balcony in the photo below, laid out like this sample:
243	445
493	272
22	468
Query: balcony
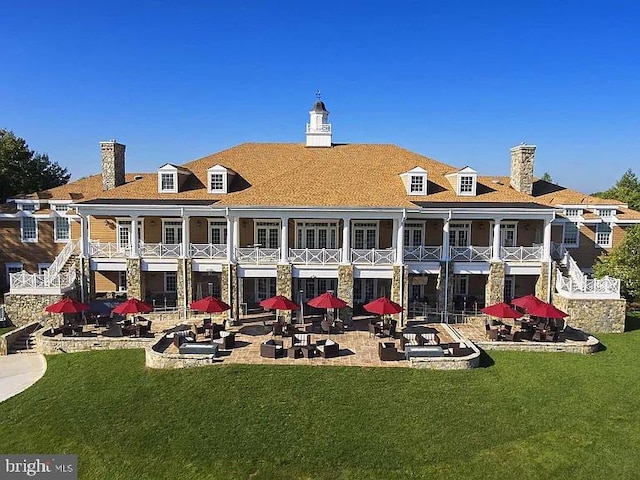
422	253
108	250
470	254
373	256
315	256
521	254
160	250
257	255
208	250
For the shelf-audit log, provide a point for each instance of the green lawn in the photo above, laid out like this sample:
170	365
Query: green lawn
525	415
4	330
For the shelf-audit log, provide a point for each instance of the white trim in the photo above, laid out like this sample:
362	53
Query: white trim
12	265
571	245
268	223
218	170
56	239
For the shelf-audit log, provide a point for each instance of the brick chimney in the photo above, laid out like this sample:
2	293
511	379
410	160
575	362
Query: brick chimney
522	167
112	164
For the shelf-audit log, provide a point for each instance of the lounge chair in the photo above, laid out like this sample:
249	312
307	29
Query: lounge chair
408	338
272	348
300	339
226	341
387	351
328	348
430	339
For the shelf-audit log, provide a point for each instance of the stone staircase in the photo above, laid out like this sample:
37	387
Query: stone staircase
25	343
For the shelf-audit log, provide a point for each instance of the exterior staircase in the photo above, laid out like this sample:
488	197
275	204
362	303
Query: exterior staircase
25	343
59	278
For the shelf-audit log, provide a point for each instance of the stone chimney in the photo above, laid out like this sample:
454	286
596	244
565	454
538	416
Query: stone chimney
522	167
112	164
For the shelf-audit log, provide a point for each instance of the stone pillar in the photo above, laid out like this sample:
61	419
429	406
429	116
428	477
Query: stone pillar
494	290
87	282
188	267
543	283
181	284
135	279
445	284
345	291
284	286
229	291
399	287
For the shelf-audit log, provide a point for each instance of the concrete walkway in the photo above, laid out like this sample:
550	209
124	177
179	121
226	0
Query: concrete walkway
18	372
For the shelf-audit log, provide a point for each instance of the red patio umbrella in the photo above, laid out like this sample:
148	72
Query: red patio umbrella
279	302
527	302
132	305
327	300
501	310
548	311
383	306
67	305
210	304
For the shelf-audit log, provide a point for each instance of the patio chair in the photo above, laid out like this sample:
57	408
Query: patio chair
374	328
429	339
145	328
338	326
114	330
389	330
183	336
408	338
198	330
271	348
67	330
226	341
300	339
328	348
387	351
491	333
277	329
325	326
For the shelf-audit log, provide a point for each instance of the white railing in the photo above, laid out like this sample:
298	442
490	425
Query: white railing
56	267
108	250
161	250
422	253
373	256
316	256
470	254
602	288
42	282
257	255
208	250
324	128
521	254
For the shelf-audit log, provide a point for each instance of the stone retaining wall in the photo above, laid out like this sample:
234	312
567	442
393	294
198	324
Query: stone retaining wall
603	316
22	309
8	338
59	344
590	346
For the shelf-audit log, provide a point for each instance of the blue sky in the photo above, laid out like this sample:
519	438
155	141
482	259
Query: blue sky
458	81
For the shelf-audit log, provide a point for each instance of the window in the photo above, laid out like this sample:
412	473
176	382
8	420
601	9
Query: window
167	182
218	233
459	234
62	232
42	267
122	281
316	235
268	234
171	282
570	234
61	208
29	229
460	285
466	184
172	232
603	235
27	207
365	236
573	212
413	234
216	182
417	184
13	267
265	288
509	288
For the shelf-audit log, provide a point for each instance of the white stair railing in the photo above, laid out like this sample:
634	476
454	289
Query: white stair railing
56	267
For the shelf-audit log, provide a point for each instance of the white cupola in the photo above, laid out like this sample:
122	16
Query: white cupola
318	128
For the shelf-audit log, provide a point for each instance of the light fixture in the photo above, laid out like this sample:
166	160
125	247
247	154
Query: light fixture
152	222
198	223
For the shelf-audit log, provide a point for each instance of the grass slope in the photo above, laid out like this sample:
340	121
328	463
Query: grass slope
526	416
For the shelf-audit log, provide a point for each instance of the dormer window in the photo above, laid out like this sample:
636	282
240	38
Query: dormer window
417	184
464	181
605	212
573	212
27	207
219	179
168	182
415	181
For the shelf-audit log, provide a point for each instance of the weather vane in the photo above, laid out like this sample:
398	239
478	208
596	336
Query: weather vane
318	94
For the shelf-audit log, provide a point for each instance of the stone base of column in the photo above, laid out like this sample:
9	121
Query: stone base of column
399	294
445	284
544	282
494	290
229	292
135	279
345	292
284	286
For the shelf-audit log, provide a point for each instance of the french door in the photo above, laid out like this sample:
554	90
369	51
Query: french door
365	236
172	232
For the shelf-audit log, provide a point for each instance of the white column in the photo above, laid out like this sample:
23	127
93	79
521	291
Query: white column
230	235
346	240
84	236
495	254
284	241
445	241
398	227
546	245
134	236
185	236
236	237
